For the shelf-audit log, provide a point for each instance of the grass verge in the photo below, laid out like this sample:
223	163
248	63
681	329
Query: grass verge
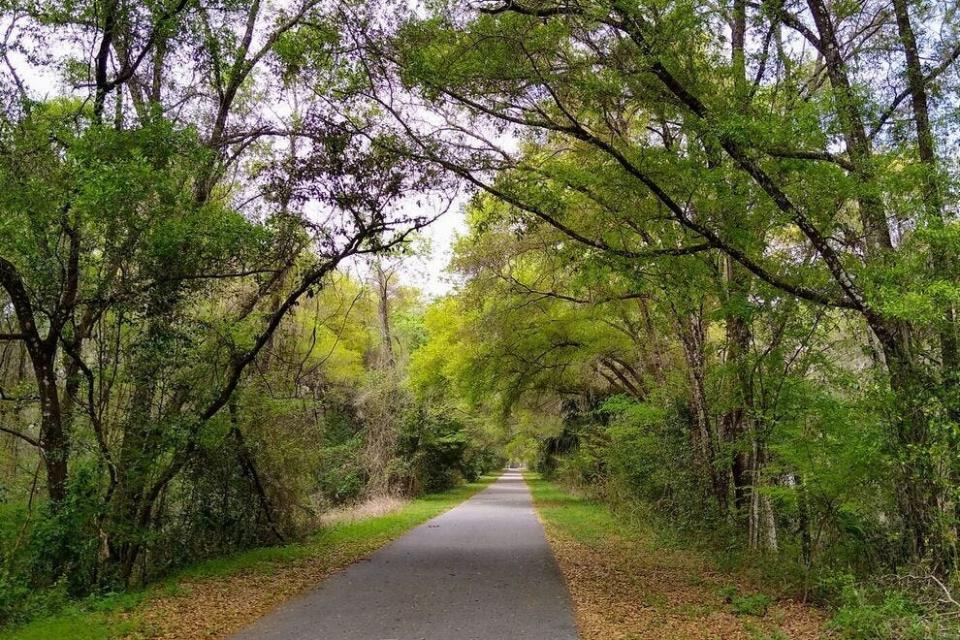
217	597
628	582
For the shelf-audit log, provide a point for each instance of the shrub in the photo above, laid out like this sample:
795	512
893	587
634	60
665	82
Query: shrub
340	476
63	544
872	613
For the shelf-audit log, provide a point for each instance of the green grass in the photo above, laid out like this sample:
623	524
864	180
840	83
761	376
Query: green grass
113	616
585	520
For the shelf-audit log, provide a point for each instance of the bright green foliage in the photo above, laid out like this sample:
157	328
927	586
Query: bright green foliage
747	604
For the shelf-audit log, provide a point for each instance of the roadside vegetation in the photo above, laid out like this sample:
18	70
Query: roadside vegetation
634	573
630	578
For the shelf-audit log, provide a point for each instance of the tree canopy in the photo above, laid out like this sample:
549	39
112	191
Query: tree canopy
709	264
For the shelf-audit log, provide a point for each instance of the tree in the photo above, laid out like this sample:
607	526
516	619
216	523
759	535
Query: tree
165	243
643	102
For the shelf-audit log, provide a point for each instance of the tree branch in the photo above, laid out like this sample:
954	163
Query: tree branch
932	75
32	441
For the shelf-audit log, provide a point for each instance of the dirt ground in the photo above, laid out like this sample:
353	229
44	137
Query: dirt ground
623	590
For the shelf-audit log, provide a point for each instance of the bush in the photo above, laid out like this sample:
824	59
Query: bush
750	605
586	467
872	613
49	556
431	451
340	476
894	617
14	592
63	543
478	461
212	509
434	452
648	459
20	602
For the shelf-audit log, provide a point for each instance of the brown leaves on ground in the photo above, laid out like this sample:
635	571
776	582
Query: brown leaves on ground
626	590
215	608
209	609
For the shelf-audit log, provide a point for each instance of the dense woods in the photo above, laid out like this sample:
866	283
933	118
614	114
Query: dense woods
709	275
183	371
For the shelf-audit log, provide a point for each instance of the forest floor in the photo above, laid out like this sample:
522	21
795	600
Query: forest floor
628	583
213	599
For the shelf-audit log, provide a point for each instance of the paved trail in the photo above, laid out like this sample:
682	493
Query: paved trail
482	571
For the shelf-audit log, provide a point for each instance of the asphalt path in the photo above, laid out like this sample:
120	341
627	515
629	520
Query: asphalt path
481	571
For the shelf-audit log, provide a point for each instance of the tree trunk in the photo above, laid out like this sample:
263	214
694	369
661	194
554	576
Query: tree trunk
249	467
803	522
383	315
53	439
654	343
737	420
691	333
919	494
932	195
872	215
919	489
54	444
933	205
762	526
140	449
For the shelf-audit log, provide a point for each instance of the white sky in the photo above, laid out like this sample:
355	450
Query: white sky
427	268
429	273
